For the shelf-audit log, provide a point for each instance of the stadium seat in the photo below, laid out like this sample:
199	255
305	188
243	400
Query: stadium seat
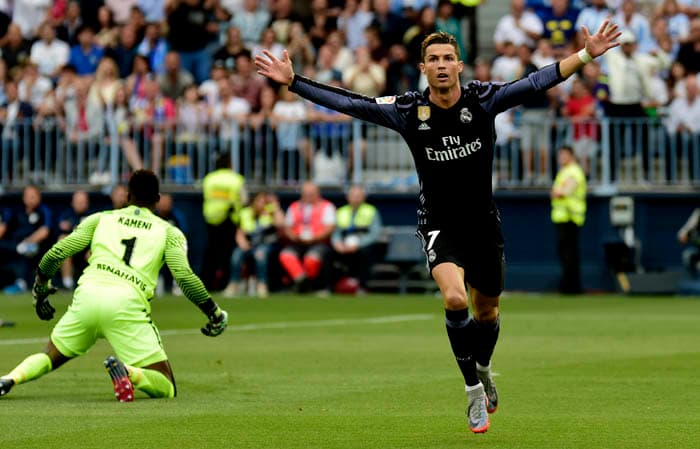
403	266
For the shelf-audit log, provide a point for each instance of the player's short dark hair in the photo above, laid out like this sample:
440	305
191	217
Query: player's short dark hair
223	160
144	187
439	38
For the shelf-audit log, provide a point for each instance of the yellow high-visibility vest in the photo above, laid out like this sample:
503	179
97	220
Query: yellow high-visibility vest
362	220
222	190
572	207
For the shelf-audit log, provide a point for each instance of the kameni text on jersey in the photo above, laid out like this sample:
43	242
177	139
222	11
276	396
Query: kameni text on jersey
134	223
452	152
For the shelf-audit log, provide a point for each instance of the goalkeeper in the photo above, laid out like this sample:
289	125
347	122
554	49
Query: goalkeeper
128	247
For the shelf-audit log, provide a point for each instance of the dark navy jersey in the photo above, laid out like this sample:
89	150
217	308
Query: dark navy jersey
21	224
452	148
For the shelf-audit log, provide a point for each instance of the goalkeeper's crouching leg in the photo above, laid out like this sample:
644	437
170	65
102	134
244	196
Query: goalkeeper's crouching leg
154	383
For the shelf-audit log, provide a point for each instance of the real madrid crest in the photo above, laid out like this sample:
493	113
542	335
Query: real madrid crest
465	115
423	113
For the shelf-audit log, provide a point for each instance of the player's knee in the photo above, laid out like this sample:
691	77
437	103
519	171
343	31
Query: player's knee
455	299
486	313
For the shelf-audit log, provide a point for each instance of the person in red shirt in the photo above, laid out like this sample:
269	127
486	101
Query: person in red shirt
580	108
309	223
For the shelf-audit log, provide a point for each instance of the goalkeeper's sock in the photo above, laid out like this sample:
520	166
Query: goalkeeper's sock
154	383
33	367
456	322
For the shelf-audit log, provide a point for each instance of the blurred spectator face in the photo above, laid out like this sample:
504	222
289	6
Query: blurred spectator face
677	71
544	47
136	17
224	89
152	89
250	5
694	35
120	97
374	41
335	40
427	18
525	54
559	7
152	32
127	36
140	66
445	10
517	7
356	196
320	6
80	202
351	6
598	4
31	197
218	72
106	69
482	71
172	62
691	87
118	196
564	157
309	193
325	57
259	203
165	204
362	56
244	65
191	94
398	53
267	38
591	71
86	37
31	71
14	35
509	49
73	11
268	97
47	32
670	8
628	8
578	88
104	17
234	35
11	91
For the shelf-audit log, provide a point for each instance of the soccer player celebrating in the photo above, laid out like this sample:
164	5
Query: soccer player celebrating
128	247
449	129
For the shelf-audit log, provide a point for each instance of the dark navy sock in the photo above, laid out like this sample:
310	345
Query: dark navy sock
456	322
486	336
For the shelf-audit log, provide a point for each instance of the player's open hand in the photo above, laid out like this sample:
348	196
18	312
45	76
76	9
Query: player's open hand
603	40
217	324
279	70
40	293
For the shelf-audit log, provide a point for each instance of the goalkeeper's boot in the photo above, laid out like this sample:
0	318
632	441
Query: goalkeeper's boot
486	380
6	385
477	415
123	390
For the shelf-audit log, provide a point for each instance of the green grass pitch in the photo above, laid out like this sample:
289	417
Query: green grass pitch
377	373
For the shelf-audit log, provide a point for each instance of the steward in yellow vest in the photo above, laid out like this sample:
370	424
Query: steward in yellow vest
568	197
358	228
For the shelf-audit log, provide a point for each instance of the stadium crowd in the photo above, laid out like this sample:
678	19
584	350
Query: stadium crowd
157	69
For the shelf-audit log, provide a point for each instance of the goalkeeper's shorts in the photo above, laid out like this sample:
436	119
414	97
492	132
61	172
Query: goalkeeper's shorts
123	320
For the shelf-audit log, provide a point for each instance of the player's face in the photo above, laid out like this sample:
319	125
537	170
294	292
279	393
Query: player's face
80	202
441	66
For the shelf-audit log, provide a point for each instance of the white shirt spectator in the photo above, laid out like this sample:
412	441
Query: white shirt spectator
153	10
505	68
507	30
592	18
683	113
276	49
38	93
370	82
629	78
354	28
227	115
639	25
289	114
29	14
49	57
121	9
251	24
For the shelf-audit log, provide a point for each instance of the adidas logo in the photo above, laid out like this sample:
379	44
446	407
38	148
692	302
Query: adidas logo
423	127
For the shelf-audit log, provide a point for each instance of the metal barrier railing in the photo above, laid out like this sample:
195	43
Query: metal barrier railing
615	153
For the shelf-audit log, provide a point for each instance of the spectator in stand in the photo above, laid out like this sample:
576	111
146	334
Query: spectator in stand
283	16
138	20
24	236
401	74
121	9
689	52
13	114
125	50
445	21
229	113
414	36
154	47
67	29
104	88
309	223
628	18
69	219
353	20
377	50
245	81
166	210
366	76
107	34
86	54
49	53
33	87
209	89
174	79
118	196
251	21
343	57
357	232
17	50
268	41
544	54
136	81
325	71
683	127
288	116
191	31
192	120
227	53
581	109
154	116
677	23
299	47
320	23
591	17
257	243
392	26
29	15
558	22
597	84
507	66
121	115
4	77
519	27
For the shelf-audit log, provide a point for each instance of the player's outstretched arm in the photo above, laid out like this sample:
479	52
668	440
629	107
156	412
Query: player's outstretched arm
595	45
382	111
190	284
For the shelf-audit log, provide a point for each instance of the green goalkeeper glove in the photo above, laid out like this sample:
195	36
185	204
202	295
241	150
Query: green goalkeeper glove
217	323
40	292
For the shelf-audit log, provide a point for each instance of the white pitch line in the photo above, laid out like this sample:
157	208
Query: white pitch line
263	326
